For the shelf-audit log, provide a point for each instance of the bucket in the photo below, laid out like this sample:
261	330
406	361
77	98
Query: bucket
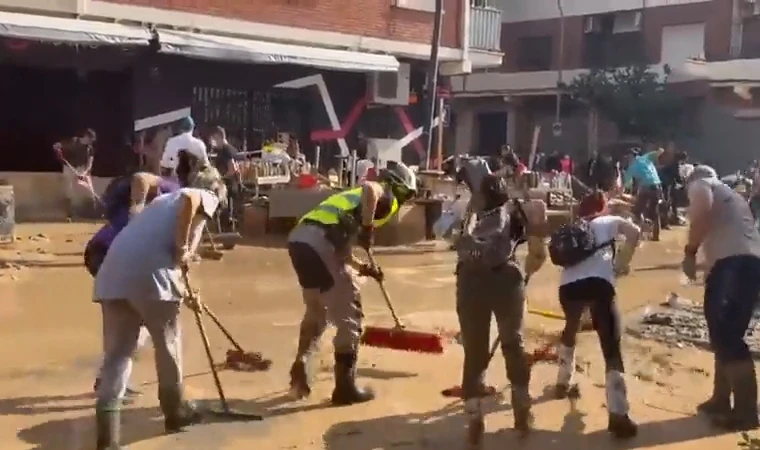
7	213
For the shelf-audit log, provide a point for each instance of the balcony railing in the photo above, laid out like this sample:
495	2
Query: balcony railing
485	28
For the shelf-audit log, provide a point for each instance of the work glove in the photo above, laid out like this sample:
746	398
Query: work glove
622	264
689	264
369	270
366	238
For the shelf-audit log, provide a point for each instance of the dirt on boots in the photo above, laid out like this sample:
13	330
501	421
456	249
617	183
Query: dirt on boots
719	404
108	427
743	381
178	412
346	392
299	381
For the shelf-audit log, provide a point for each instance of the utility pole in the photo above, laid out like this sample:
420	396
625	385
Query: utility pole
432	81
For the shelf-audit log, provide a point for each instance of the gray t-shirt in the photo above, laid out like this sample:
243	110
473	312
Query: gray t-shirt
732	228
140	264
475	170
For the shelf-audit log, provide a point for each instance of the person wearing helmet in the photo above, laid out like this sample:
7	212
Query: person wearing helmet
490	283
140	284
320	252
721	223
123	196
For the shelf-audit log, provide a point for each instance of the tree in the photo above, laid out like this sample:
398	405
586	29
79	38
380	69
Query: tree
634	98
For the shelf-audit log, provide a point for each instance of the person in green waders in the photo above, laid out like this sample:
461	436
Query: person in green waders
320	252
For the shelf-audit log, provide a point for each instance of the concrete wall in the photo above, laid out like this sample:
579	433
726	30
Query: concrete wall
521	10
48	6
40	196
725	142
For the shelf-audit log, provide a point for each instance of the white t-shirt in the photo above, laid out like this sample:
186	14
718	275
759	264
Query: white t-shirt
184	141
600	264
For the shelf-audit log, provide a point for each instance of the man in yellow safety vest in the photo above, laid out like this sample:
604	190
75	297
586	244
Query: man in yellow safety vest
320	251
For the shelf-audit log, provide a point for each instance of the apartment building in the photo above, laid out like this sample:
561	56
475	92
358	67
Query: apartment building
711	47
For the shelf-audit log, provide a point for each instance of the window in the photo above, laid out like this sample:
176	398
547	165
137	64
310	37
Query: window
534	53
627	22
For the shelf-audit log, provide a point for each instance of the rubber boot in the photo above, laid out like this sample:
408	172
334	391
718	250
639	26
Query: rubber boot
521	405
720	402
619	424
346	392
308	337
178	413
743	381
475	424
108	427
566	386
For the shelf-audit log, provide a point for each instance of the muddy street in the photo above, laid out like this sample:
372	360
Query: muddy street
51	336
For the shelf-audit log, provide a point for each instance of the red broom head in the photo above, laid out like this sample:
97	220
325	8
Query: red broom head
399	339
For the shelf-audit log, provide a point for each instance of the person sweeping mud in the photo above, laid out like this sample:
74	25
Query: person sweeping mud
320	252
140	284
721	223
489	282
588	281
125	196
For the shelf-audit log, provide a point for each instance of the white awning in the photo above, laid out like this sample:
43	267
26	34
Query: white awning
70	31
206	46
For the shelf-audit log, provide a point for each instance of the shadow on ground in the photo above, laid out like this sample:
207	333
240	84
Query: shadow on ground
445	430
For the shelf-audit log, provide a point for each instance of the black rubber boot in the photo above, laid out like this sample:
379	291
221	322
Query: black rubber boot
346	392
475	424
178	413
743	381
621	426
720	402
299	380
108	427
521	405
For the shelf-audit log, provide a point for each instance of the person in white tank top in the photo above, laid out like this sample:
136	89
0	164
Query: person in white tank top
721	223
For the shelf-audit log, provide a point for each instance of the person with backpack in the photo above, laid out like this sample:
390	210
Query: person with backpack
585	250
721	223
489	282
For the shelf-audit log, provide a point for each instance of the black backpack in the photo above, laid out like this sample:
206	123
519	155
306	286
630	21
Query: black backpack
573	243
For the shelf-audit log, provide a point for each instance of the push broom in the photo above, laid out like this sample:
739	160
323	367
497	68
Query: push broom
399	338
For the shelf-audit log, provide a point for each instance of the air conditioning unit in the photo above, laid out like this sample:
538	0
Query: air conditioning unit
627	22
592	24
750	8
390	88
415	5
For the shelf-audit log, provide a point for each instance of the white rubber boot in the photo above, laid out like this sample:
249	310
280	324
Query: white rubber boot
566	386
619	424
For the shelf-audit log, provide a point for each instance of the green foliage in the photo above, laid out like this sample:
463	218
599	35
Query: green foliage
634	98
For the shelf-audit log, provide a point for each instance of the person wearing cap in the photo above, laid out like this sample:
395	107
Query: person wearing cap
643	170
184	140
320	252
721	224
123	197
140	283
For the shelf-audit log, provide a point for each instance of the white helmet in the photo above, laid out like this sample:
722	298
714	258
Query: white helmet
401	179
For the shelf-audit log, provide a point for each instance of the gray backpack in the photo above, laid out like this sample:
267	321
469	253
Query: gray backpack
489	243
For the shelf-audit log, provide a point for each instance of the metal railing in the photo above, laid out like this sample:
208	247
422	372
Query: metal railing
485	28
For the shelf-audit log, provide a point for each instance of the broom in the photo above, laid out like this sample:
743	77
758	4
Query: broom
398	338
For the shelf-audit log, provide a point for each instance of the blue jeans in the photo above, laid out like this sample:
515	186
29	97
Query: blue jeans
731	293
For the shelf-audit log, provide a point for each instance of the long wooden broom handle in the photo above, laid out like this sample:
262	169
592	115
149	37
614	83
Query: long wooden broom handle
386	295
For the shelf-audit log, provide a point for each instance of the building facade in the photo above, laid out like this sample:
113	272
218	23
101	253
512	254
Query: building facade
327	72
709	45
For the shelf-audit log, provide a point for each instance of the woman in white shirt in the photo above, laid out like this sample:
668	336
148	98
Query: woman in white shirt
591	284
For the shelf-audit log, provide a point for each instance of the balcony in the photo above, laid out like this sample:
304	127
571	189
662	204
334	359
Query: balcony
485	28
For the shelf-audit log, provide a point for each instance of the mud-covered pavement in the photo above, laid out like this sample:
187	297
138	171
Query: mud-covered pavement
51	332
